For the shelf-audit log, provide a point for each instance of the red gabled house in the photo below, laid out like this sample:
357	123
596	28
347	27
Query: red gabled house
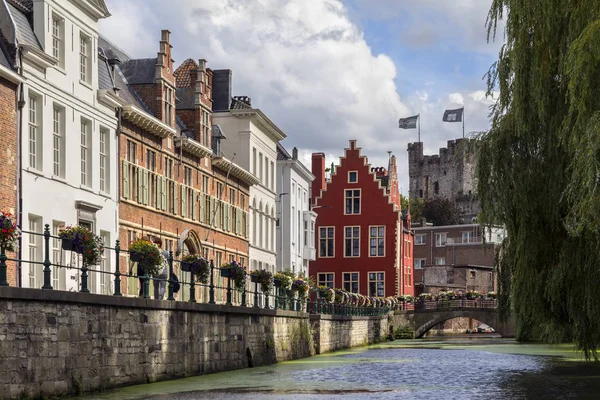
364	238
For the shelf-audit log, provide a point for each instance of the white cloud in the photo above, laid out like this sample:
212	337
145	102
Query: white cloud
306	64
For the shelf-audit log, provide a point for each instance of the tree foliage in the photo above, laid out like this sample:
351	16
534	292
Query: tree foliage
539	165
441	211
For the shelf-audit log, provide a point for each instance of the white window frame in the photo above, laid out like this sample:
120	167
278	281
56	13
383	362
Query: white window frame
441	239
326	238
104	160
352	197
350	175
467	237
58	39
36	276
378	279
420	239
326	281
59	279
86	152
106	281
419	263
348	281
58	141
380	240
35	137
354	240
85	51
439	261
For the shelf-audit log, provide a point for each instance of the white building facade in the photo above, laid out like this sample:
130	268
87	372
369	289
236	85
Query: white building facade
68	140
295	220
252	144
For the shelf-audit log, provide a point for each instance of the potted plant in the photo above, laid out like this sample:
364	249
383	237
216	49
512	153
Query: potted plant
300	286
327	293
9	233
264	277
284	280
84	242
235	272
197	265
147	255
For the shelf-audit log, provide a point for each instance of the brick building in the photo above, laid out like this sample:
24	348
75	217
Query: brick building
449	174
455	257
9	84
364	240
174	183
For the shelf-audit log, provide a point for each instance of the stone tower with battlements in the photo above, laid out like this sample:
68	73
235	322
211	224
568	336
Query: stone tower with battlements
449	174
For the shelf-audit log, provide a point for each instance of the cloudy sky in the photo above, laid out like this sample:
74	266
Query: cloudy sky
327	71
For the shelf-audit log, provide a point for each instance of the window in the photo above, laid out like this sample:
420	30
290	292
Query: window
58	273
58	141
352	176
206	129
351	282
377	284
187	176
169	168
352	241
260	167
436	188
232	196
420	239
205	184
353	201
168	99
86	154
440	239
35	253
472	274
84	58
254	161
326	241
407	249
35	132
266	172
131	152
325	279
105	275
151	160
104	157
467	237
439	261
419	263
220	190
377	241
58	47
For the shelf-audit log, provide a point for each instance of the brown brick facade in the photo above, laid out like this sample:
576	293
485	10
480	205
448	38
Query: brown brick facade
8	165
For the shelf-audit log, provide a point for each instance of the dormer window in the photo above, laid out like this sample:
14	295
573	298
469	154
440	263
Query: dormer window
84	59
58	42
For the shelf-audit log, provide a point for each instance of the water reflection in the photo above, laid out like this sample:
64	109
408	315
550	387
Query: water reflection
424	369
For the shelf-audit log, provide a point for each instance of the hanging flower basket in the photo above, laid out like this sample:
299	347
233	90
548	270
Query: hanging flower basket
264	277
147	255
235	272
325	292
285	280
9	232
300	286
84	242
198	266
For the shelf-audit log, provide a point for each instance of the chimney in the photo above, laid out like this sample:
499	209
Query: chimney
295	153
318	170
221	90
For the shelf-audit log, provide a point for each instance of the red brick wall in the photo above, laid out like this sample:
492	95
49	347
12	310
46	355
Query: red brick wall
375	210
8	165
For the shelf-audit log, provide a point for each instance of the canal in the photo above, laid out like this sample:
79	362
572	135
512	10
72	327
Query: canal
473	367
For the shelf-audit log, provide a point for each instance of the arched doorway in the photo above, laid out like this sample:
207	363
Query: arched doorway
189	243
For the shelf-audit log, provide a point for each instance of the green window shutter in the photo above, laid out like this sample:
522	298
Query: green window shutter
158	188
140	184
163	194
146	186
125	179
194	205
175	199
226	215
183	201
202	200
213	219
247	224
237	221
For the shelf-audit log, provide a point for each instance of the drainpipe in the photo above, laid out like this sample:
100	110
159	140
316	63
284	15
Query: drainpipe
20	105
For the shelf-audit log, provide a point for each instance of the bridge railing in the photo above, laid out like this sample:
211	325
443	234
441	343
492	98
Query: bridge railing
463	303
52	267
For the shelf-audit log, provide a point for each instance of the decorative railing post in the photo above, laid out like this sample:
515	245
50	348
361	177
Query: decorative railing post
146	285
84	279
47	263
117	270
3	281
192	289
256	294
266	300
244	294
283	294
170	295
228	303
292	300
276	285
211	287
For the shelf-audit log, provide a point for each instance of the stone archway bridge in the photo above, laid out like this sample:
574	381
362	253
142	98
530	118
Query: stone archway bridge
423	316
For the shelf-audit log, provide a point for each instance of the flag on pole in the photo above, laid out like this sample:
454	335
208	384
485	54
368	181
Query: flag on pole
453	115
408	123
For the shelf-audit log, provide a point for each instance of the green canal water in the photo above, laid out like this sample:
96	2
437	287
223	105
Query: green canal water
435	368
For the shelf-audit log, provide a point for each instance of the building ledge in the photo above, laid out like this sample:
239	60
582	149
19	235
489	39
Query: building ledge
38	57
235	170
147	122
192	147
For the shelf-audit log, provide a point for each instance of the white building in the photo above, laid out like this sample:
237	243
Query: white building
252	144
67	134
296	221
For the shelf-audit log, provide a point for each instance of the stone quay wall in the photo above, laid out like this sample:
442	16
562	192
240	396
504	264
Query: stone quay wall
56	343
